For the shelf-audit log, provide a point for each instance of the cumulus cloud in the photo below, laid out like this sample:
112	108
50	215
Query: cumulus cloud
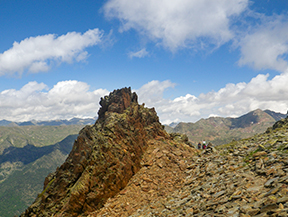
178	24
68	99
65	100
39	53
230	101
152	92
140	54
194	24
266	46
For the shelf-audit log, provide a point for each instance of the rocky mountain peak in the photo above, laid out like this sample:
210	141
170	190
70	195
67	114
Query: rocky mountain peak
117	101
104	157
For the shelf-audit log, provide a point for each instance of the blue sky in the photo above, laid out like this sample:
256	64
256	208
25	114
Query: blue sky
189	59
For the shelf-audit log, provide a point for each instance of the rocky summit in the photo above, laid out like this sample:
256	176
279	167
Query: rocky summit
126	164
107	155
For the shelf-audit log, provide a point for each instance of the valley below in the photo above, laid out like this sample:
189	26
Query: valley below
26	162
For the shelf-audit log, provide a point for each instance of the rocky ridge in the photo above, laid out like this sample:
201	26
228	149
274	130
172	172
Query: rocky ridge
244	178
127	165
104	158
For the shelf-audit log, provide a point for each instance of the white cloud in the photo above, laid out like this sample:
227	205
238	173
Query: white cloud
178	24
231	101
195	24
68	99
65	100
152	92
37	54
266	46
140	54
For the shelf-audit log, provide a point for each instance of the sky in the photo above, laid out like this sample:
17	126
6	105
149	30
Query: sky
189	59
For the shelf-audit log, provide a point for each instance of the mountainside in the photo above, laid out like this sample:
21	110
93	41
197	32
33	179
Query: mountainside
220	130
34	135
127	165
26	157
276	115
22	172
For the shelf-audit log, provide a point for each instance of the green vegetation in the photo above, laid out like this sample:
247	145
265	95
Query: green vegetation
35	135
49	184
20	189
19	182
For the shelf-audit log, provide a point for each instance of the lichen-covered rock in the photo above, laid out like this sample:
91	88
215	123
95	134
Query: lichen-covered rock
104	158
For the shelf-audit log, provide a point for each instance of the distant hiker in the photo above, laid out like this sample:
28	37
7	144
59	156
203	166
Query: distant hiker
204	144
199	145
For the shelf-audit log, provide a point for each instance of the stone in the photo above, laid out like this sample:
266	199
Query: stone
281	206
270	182
260	153
269	207
283	199
253	212
219	194
272	191
145	188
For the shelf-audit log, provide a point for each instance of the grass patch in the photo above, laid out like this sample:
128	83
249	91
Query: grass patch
48	185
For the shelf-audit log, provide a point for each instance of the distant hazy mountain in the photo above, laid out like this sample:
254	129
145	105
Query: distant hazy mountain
73	121
173	124
276	115
5	123
20	136
27	155
220	130
22	173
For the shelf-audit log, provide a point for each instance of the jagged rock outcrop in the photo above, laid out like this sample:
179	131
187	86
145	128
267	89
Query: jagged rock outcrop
104	158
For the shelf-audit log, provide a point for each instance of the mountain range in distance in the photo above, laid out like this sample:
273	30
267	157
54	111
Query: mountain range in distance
219	130
73	121
236	122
